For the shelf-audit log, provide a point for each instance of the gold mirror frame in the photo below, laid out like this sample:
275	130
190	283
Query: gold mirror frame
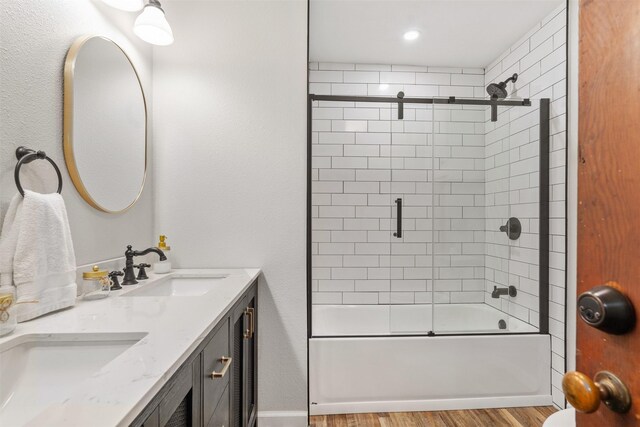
69	70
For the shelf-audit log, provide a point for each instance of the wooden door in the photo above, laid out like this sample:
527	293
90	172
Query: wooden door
609	189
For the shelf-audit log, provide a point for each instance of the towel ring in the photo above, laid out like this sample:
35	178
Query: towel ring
26	155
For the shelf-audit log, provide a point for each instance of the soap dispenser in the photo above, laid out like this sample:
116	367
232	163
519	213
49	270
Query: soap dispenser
163	267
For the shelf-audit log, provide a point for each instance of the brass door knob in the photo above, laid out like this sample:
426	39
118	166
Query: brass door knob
585	394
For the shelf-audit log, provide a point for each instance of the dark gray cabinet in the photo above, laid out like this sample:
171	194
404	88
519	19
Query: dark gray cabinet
178	403
217	385
217	364
153	420
244	334
250	408
222	414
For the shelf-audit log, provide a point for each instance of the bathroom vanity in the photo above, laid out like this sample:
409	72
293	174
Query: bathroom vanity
217	385
178	349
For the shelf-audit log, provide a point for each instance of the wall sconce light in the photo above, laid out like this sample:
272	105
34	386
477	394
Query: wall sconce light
152	26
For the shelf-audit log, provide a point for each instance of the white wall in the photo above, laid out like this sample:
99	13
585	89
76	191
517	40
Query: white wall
35	36
230	162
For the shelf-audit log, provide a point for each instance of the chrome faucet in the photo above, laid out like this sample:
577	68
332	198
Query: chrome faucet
497	292
129	274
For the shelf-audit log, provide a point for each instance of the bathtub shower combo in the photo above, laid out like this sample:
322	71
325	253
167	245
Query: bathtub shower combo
428	252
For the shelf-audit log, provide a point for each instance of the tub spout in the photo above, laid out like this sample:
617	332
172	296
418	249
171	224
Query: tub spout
498	292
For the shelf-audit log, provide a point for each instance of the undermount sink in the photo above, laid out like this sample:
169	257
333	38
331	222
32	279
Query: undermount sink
37	371
179	287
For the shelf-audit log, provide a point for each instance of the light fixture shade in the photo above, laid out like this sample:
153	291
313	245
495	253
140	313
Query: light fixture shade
127	5
152	26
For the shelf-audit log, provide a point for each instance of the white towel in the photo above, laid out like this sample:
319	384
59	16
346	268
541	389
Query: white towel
36	254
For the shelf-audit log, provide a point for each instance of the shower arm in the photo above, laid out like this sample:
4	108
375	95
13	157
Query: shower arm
513	78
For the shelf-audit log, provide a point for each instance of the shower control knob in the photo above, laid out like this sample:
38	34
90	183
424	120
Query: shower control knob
585	394
607	309
513	228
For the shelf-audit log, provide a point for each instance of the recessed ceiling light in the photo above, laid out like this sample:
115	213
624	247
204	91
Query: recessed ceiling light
411	35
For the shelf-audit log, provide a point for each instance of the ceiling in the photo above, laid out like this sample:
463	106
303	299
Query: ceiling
464	33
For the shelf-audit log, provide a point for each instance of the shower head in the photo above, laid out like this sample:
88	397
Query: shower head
499	90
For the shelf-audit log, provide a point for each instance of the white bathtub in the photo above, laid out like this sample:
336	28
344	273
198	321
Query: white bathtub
418	373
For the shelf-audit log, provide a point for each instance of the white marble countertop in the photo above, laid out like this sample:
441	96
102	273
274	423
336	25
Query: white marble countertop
174	327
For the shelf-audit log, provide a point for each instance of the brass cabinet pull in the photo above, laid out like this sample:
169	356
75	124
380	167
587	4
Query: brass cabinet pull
248	334
227	362
253	321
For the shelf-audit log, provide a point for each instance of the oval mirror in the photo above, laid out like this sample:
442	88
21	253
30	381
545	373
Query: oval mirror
105	124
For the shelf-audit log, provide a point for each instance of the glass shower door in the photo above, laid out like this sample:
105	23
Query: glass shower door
411	187
523	306
471	201
412	218
351	218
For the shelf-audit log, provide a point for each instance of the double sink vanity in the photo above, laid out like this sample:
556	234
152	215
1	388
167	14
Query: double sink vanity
179	349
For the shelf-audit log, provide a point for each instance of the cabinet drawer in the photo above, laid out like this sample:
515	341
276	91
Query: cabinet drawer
212	361
220	416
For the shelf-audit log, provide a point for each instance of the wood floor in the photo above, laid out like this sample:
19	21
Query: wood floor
507	417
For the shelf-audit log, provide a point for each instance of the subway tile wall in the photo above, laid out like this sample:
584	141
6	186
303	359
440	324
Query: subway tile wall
364	158
460	176
512	163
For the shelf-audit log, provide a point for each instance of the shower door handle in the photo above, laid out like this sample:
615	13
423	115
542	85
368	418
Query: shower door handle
398	232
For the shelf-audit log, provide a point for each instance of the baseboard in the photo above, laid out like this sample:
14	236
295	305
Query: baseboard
429	405
282	418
